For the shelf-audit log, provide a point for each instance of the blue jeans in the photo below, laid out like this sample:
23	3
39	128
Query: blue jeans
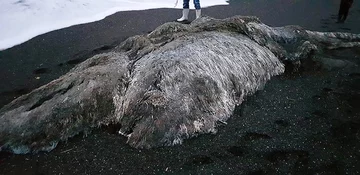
196	3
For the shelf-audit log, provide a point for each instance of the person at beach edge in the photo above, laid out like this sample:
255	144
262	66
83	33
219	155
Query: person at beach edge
185	12
345	6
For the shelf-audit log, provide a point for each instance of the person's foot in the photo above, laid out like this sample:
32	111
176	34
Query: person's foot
183	22
198	13
185	15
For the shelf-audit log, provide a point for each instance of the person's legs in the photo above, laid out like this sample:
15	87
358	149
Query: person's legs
341	12
346	8
185	12
197	4
340	16
186	4
345	14
198	8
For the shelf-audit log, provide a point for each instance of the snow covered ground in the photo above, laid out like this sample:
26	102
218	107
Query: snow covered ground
21	20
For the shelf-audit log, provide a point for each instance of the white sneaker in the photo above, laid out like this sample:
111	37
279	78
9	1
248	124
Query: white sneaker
185	15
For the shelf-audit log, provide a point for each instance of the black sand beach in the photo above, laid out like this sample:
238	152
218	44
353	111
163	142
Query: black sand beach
305	123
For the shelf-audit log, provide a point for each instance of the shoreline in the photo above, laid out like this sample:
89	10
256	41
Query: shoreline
50	55
30	21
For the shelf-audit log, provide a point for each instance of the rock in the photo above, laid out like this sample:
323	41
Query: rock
174	83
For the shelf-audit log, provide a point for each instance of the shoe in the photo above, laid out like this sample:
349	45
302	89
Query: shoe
185	14
198	13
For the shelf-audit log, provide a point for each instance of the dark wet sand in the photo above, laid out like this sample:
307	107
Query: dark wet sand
305	123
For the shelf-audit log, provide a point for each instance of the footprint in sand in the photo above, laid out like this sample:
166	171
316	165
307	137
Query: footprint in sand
325	23
41	71
334	17
236	150
197	160
344	28
324	27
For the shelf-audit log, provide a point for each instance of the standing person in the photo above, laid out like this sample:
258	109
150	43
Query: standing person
345	5
185	12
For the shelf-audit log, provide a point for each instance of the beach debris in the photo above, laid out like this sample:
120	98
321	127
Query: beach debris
68	150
